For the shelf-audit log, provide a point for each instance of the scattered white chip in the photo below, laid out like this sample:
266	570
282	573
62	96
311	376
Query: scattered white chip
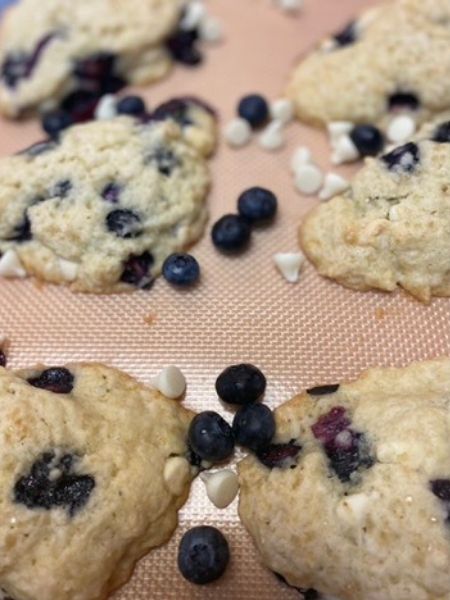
177	474
221	487
401	128
393	214
338	128
291	6
308	179
282	110
289	264
211	30
333	184
194	13
171	382
272	137
238	132
106	108
69	269
10	265
344	151
302	156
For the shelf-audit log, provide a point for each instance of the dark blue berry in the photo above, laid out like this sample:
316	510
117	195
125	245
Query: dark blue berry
182	46
231	233
211	437
347	36
323	390
442	133
403	100
241	384
367	139
203	555
136	271
80	105
124	223
96	66
131	105
254	109
58	380
279	456
164	159
22	232
404	158
441	489
257	205
181	269
56	121
254	426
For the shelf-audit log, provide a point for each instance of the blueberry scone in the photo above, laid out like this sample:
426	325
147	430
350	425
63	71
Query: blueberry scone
93	473
392	227
352	499
102	207
392	58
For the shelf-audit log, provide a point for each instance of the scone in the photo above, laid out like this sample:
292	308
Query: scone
103	207
393	57
392	227
84	449
352	500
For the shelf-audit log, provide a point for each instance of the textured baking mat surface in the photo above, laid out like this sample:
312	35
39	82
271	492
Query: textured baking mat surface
299	335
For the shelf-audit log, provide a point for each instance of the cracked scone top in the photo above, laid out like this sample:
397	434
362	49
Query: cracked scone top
82	482
392	227
395	56
43	46
353	501
104	207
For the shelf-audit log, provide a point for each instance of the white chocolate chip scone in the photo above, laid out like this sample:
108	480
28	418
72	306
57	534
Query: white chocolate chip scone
102	208
352	499
85	488
392	227
393	57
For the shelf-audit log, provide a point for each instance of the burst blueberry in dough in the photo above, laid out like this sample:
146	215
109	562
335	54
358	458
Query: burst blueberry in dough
352	498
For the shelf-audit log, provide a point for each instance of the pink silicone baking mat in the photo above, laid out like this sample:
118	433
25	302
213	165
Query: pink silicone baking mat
299	335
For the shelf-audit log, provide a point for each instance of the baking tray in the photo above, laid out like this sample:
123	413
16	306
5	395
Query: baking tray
299	335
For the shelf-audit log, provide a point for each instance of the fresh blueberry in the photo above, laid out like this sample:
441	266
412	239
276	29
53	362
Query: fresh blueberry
231	233
124	223
136	271
3	359
323	390
80	105
111	192
182	46
254	109
22	232
56	121
257	205
442	133
211	437
254	426
164	159
58	380
131	105
403	159
280	456
403	100
367	139
347	36
203	555
181	269
241	384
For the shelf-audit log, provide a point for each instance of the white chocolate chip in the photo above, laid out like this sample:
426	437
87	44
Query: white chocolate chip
282	110
328	45
272	137
106	108
344	150
171	382
221	487
393	213
69	269
300	157
400	129
333	184
211	30
353	508
10	265
194	14
338	128
177	474
238	132
289	264
291	6
308	179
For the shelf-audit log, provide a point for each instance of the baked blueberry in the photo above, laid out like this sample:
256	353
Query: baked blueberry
111	192
164	159
136	271
56	121
97	67
81	105
254	109
181	269
257	205
241	384
203	555
280	456
61	189
211	437
124	223
231	233
404	158
58	380
22	231
254	426
441	489
176	109
323	390
367	139
182	46
347	36
442	133
403	100
131	105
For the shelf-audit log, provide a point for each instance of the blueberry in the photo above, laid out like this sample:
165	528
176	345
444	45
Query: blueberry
58	380
111	192
61	189
81	105
136	271
22	231
279	456
124	223
231	233
97	67
181	269
56	121
131	105
441	489
323	390
254	426
254	109
367	139
182	47
404	158
331	424
403	100
211	437
176	109
164	159
347	36
2	358
203	555
240	384
442	133
257	204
